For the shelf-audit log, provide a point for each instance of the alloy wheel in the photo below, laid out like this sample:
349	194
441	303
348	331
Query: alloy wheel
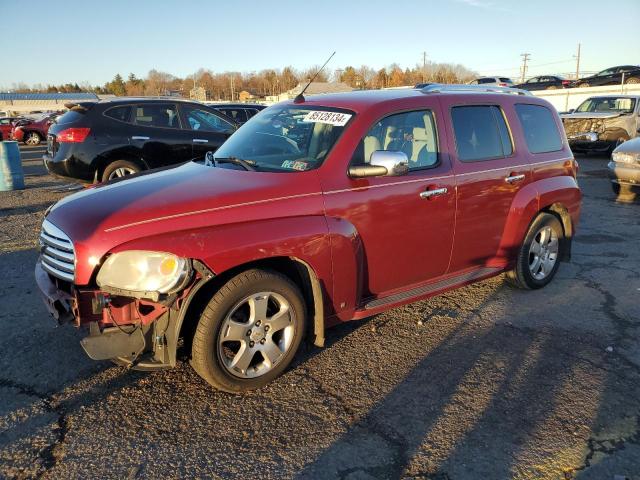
32	139
543	253
121	172
256	334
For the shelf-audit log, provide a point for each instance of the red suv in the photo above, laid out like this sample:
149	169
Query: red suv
32	133
315	212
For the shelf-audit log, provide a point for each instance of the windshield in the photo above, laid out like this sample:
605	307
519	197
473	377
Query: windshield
287	138
608	105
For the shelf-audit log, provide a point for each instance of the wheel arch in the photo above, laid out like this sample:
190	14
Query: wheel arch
562	213
296	269
103	160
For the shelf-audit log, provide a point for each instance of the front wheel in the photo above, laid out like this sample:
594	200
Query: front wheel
539	255
32	138
632	81
249	332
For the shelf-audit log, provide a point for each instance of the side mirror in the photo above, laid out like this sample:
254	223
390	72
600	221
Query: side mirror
383	163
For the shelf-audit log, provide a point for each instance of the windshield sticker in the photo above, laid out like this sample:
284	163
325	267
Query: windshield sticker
331	118
209	159
295	165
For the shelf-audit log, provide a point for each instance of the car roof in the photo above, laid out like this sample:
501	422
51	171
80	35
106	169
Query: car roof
360	100
147	99
236	105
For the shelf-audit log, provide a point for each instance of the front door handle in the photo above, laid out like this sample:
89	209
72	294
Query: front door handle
514	178
433	193
200	140
138	137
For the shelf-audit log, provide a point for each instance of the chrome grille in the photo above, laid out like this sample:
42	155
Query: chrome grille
56	252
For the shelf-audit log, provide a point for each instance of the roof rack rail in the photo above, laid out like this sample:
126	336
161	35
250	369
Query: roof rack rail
440	87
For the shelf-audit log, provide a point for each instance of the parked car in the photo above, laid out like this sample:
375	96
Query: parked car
33	132
545	82
624	169
495	81
315	212
6	125
103	140
601	123
611	76
239	112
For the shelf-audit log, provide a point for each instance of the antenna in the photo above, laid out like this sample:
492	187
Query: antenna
300	97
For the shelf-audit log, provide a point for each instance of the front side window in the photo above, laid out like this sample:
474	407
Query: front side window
287	138
539	126
481	133
412	133
156	115
204	121
608	104
237	114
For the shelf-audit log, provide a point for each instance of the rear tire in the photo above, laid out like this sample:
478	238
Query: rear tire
118	169
632	81
583	85
539	255
256	311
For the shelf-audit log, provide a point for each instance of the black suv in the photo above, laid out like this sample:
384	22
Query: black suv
240	112
100	141
611	76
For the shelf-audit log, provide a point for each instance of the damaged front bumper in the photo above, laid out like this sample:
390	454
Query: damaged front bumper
135	332
589	141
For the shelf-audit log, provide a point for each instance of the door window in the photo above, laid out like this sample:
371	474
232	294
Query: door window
237	114
157	115
540	130
413	133
204	121
481	133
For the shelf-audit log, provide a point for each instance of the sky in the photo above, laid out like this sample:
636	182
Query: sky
90	41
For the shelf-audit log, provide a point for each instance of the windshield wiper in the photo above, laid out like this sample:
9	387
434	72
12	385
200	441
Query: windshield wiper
246	164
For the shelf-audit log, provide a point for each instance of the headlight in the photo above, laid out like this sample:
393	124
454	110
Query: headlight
141	271
626	157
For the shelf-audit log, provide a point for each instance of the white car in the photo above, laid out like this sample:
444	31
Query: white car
495	81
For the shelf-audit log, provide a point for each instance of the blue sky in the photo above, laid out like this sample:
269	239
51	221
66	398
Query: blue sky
86	41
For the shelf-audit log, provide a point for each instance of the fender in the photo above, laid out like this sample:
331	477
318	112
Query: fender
556	194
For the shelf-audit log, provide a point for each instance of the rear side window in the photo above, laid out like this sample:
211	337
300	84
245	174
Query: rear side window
71	116
157	115
540	130
505	80
481	133
486	80
119	113
237	114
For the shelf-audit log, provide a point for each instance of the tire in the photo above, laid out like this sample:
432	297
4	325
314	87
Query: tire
118	169
632	81
583	85
619	142
624	193
534	270
231	335
551	87
32	138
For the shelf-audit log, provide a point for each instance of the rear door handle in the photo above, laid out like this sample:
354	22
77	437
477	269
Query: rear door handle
138	137
433	193
514	178
200	140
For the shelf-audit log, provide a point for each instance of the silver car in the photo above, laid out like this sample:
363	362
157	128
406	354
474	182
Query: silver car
624	169
492	81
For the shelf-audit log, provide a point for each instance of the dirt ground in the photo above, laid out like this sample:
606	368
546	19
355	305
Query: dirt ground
485	382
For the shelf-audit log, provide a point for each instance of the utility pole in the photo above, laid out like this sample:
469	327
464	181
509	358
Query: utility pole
232	92
577	57
424	66
525	59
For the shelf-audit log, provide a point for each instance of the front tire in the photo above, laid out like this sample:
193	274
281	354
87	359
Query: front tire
32	138
539	255
249	332
632	81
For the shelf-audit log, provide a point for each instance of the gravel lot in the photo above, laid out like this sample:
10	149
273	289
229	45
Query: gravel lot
485	382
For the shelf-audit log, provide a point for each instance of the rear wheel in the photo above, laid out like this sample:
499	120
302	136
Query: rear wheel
119	168
249	332
552	87
32	138
583	85
539	255
632	80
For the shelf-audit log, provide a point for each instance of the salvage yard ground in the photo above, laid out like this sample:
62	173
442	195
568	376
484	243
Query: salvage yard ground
485	382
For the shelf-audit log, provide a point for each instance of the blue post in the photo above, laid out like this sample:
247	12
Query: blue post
11	175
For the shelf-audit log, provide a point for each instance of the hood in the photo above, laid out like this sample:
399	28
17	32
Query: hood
583	115
182	191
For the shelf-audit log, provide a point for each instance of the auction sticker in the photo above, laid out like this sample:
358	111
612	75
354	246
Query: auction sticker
330	118
295	164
